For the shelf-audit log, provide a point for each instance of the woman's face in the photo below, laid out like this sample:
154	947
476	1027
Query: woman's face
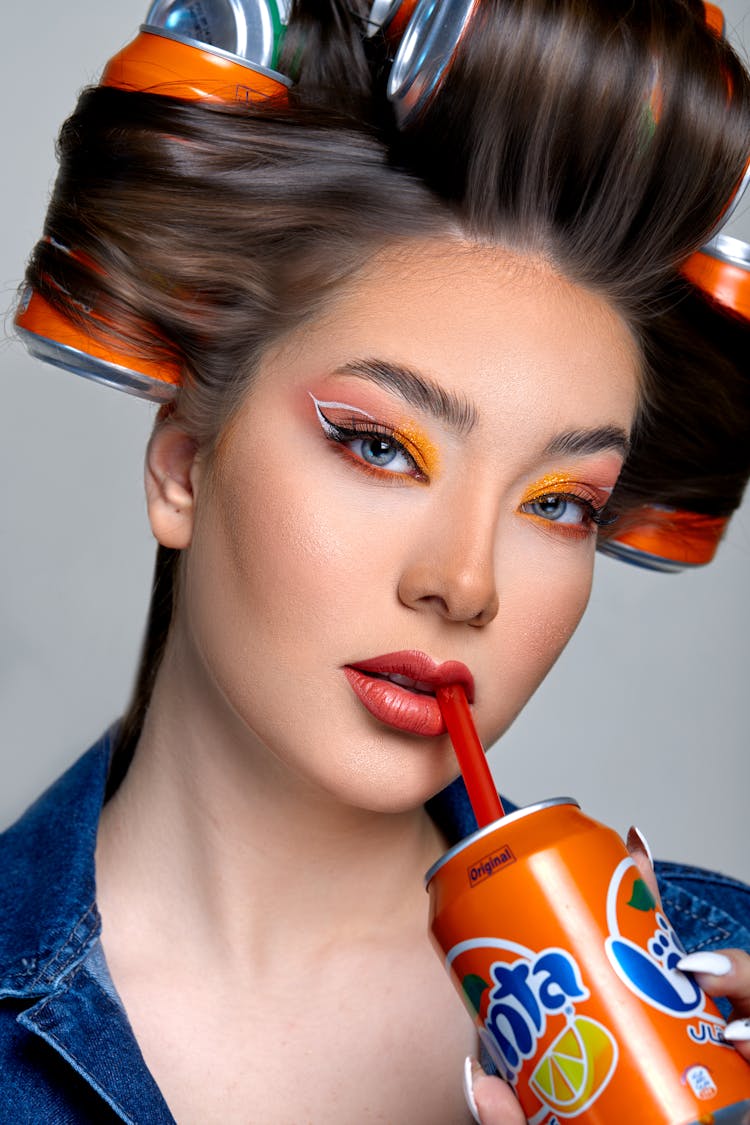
414	479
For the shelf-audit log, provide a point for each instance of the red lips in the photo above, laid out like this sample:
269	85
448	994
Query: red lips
409	705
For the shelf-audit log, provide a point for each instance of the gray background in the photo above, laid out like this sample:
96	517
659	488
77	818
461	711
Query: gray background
642	720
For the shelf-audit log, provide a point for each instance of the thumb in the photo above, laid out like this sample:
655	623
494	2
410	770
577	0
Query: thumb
491	1101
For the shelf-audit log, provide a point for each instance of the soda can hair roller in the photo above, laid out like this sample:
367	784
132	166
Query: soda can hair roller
721	269
51	336
208	50
667	539
212	50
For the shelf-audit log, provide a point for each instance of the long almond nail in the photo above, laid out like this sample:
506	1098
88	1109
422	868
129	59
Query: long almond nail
469	1088
738	1031
714	963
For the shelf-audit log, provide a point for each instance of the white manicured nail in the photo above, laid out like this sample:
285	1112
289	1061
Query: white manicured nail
469	1089
738	1031
714	963
636	838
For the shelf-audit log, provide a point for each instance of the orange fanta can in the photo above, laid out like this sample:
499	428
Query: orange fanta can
568	967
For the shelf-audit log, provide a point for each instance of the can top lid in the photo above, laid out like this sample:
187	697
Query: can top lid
247	28
490	828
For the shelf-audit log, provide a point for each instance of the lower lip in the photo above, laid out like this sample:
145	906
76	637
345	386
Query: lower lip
397	706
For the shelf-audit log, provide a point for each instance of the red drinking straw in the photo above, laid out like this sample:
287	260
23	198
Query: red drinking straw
480	786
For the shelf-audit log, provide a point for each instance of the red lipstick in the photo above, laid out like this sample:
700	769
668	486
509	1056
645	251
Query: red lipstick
399	689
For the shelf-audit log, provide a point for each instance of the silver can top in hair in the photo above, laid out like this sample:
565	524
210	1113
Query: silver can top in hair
249	29
425	53
733	251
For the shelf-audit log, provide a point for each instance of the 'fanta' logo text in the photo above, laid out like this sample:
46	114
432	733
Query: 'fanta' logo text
490	865
522	996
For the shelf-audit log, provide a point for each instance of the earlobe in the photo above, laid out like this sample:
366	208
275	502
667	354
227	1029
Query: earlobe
171	478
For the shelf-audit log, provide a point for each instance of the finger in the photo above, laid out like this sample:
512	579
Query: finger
738	1034
726	974
640	853
722	974
490	1100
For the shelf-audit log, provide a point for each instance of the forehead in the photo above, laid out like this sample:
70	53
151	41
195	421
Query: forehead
500	329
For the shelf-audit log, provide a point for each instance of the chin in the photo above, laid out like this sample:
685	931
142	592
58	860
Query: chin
401	787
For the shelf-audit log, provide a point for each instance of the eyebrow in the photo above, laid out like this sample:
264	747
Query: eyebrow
419	391
583	442
461	415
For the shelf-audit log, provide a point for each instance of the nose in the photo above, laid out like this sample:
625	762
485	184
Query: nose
452	570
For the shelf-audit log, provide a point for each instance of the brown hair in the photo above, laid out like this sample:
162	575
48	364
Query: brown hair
691	448
606	135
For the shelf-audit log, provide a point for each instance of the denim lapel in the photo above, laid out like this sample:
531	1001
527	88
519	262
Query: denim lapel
89	1029
50	954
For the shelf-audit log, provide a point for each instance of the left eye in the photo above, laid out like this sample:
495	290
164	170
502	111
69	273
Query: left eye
560	508
381	451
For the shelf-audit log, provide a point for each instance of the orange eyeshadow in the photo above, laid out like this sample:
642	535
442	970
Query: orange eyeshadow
420	445
551	482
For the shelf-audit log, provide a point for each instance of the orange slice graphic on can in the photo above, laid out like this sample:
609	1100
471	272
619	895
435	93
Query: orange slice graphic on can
576	1067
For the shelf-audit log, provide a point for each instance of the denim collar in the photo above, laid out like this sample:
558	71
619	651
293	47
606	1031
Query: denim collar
49	920
50	952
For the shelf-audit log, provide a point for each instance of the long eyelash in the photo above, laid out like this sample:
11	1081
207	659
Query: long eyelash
594	515
338	433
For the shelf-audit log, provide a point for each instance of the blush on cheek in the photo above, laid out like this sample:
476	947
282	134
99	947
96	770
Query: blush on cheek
550	628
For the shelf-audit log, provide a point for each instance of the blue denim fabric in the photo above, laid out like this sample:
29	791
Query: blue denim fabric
67	1052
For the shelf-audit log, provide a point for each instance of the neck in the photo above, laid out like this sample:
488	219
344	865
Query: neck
211	835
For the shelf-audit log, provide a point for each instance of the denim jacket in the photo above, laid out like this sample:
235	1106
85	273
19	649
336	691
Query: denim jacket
67	1052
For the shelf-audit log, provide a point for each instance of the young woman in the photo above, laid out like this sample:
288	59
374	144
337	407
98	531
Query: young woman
414	356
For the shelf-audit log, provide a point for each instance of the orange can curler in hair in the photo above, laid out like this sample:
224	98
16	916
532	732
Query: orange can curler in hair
213	51
667	539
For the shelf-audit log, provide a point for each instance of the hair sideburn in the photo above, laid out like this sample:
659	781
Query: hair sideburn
606	135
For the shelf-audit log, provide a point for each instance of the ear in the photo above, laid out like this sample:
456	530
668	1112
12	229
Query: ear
171	483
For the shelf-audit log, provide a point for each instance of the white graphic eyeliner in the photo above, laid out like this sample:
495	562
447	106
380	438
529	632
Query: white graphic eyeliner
328	429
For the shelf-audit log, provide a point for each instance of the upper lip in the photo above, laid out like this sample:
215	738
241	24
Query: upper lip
420	667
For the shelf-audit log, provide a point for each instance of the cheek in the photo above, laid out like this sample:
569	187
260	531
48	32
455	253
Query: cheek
290	552
545	616
548	634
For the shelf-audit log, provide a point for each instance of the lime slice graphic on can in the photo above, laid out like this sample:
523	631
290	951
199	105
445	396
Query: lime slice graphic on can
576	1067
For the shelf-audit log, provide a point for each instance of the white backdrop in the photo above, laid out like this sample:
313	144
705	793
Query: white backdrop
642	720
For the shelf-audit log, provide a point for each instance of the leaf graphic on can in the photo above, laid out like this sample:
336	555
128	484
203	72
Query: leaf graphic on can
473	988
641	898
